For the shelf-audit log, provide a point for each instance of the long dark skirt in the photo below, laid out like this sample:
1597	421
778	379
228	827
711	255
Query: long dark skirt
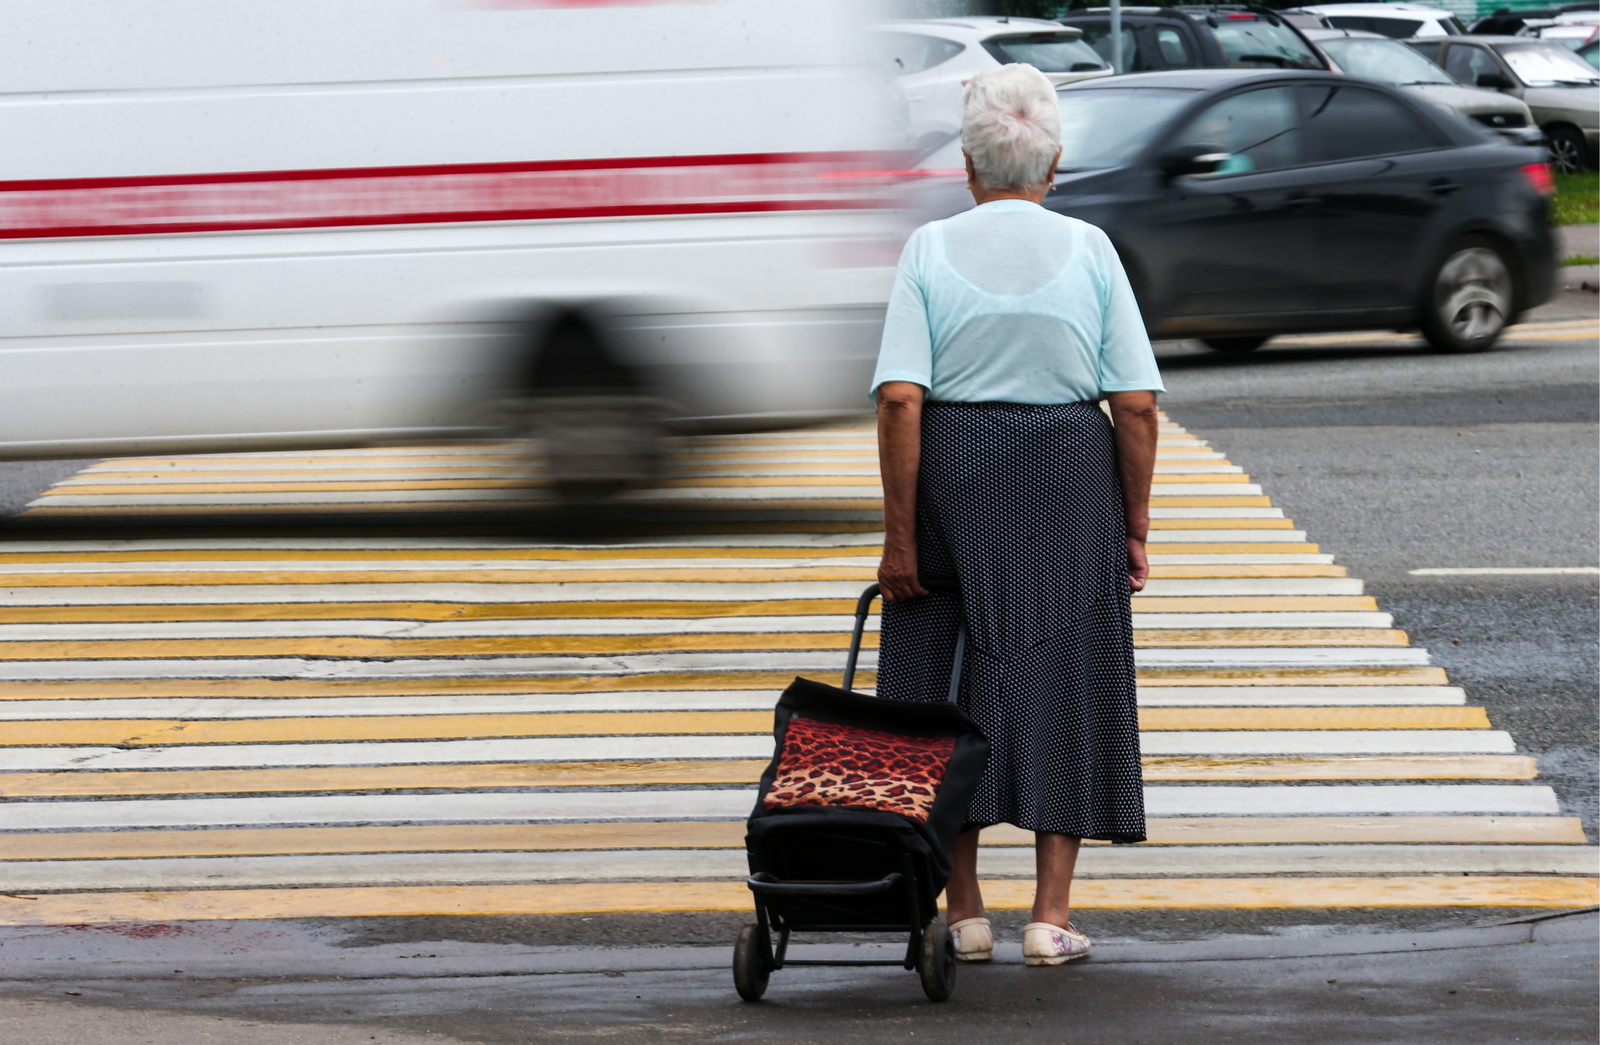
1022	504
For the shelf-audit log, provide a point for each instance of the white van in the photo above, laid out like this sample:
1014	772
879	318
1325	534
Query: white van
234	225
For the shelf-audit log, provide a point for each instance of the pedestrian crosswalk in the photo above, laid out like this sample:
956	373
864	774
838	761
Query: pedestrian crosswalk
293	720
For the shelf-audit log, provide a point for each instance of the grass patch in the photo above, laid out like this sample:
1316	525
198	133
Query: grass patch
1581	259
1577	200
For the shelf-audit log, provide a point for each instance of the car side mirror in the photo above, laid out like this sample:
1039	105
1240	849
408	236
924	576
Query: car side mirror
1182	161
1494	81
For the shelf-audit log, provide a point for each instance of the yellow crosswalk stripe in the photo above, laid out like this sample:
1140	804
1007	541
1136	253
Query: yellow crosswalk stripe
702	834
596	898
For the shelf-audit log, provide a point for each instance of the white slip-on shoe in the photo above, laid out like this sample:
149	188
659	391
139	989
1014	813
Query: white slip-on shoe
1046	944
974	940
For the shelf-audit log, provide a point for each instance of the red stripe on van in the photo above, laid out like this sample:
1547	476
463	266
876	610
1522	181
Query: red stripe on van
308	199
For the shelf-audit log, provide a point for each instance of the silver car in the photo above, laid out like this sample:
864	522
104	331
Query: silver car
1557	85
1372	56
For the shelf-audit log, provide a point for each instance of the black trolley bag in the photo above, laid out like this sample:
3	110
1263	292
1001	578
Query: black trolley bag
855	823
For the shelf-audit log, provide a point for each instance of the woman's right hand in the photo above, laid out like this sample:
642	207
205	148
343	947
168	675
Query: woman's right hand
897	574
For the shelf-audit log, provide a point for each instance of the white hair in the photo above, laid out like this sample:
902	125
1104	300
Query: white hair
1011	127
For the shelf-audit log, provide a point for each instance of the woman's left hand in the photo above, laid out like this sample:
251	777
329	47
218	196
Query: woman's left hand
1138	564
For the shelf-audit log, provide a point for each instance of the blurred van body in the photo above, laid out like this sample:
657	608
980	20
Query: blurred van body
228	225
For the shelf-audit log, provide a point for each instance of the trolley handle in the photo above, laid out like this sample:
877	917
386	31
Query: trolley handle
940	585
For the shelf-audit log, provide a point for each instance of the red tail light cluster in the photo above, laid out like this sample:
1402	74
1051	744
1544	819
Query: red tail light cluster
1539	176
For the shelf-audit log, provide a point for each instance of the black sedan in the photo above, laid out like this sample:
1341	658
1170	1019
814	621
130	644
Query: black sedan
1252	203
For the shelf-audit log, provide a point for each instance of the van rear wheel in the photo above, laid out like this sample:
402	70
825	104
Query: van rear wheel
1233	346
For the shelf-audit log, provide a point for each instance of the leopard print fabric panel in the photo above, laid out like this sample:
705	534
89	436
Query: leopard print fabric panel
825	764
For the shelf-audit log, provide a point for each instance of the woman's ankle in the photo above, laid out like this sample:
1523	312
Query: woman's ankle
1061	916
957	914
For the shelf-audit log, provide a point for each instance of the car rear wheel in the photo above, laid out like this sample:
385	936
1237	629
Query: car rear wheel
1566	149
1233	346
1468	302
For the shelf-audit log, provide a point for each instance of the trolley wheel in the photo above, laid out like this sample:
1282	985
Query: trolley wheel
750	971
936	964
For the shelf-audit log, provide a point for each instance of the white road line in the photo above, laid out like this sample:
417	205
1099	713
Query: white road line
738	745
474	868
580	591
454	666
1160	512
583	626
466	566
670	700
1510	571
1160	558
523	806
1226	536
1297	696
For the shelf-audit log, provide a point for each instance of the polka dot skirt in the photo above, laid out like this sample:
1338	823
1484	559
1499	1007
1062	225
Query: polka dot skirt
1023	506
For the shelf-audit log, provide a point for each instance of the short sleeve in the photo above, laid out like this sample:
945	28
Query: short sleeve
1127	362
906	352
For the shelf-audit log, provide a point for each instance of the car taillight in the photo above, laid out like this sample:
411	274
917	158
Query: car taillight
1540	178
1241	18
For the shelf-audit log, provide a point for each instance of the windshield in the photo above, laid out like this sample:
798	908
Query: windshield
1249	42
1106	128
1384	61
1046	52
1547	65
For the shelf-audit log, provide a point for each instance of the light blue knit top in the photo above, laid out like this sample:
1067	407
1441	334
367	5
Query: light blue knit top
1010	302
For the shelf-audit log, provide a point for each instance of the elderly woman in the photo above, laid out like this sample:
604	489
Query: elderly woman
1007	325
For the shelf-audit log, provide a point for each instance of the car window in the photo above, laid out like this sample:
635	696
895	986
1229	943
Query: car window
1465	64
1098	36
1547	65
1347	123
1046	52
1430	51
1252	42
1107	127
1383	60
908	53
1174	49
1260	130
1396	28
1590	53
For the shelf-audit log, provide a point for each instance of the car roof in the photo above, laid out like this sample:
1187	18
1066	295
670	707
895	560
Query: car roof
1376	9
975	24
1486	40
1198	79
1353	34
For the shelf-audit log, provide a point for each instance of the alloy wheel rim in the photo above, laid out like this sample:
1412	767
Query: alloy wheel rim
1564	154
1474	294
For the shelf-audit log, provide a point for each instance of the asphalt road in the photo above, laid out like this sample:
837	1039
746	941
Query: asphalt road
1393	459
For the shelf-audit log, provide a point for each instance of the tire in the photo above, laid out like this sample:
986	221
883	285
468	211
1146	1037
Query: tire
936	962
1567	149
597	445
750	971
1233	346
1469	298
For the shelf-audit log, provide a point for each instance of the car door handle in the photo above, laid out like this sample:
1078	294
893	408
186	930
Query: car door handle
1444	187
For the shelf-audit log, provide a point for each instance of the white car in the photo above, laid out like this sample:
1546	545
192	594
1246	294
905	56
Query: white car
933	59
1399	21
228	225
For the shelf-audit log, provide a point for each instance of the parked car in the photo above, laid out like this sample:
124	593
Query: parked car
1397	21
1506	22
933	59
324	223
1246	204
1373	57
1557	85
1211	37
1571	36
